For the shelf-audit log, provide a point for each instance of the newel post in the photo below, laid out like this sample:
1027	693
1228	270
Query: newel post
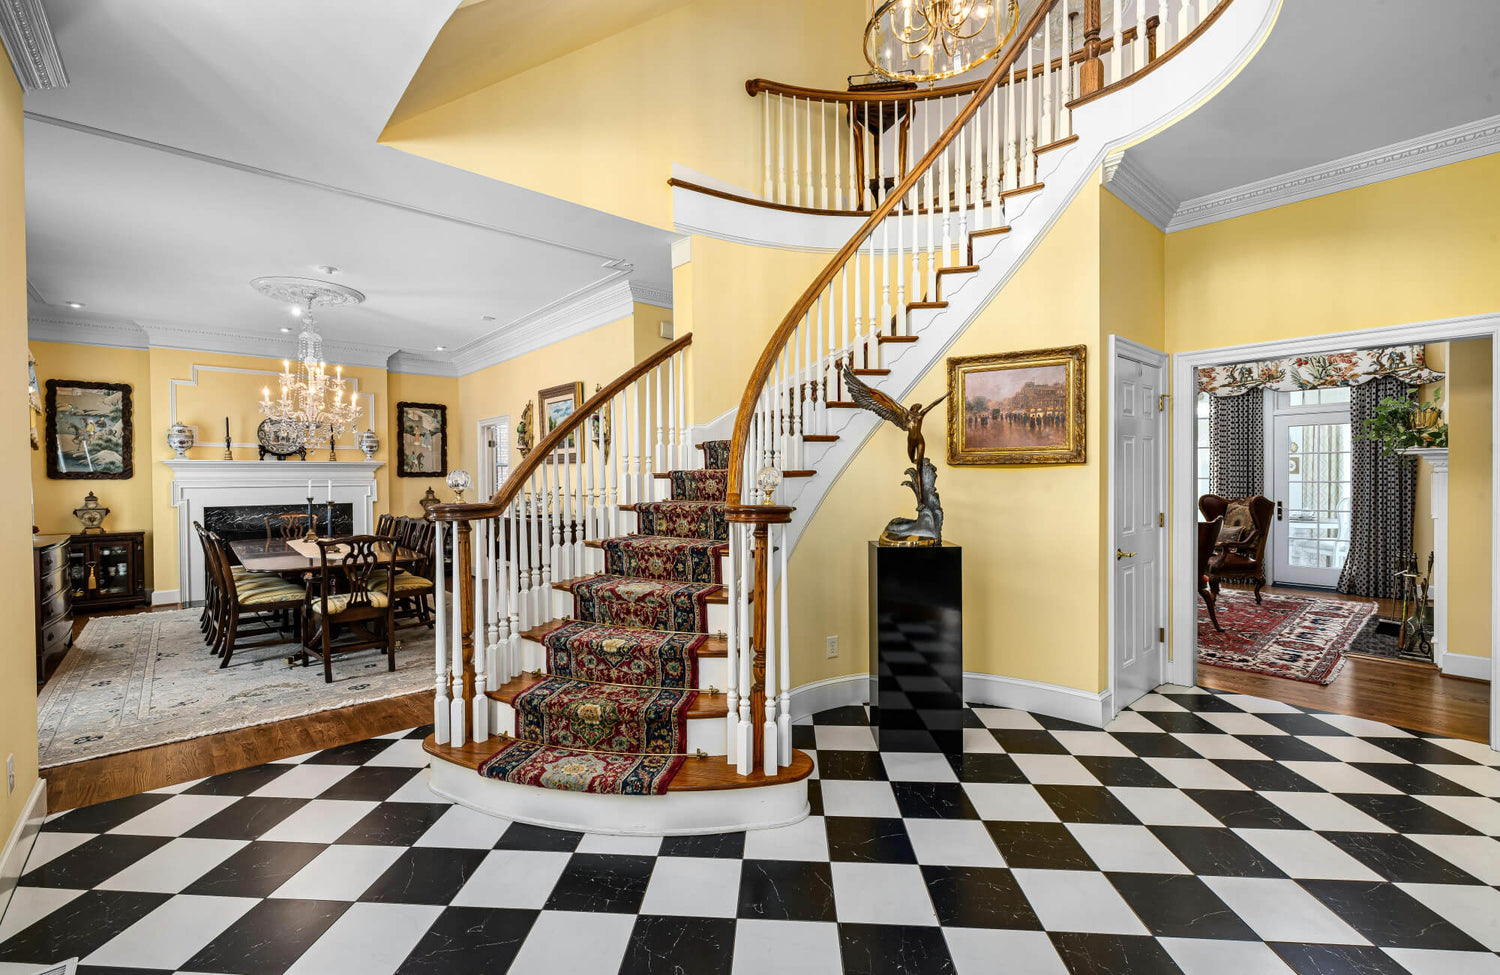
1091	71
758	643
463	578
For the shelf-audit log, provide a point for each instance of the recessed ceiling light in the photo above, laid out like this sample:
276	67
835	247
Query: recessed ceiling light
74	304
487	318
285	329
442	348
325	269
296	311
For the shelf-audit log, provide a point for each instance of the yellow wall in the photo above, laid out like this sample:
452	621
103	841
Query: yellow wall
1339	262
1031	535
1421	536
603	125
1470	523
128	501
18	656
401	494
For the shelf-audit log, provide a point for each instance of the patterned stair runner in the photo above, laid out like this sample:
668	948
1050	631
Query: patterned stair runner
611	714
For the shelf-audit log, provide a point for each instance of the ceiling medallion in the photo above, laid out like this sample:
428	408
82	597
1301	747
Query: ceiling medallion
929	40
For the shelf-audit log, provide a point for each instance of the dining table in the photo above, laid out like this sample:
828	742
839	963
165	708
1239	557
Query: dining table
298	557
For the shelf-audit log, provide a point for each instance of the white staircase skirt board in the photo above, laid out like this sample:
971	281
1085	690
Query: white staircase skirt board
1053	700
673	814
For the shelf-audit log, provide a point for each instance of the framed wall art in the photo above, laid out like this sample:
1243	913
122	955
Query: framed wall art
89	433
555	405
1017	408
421	440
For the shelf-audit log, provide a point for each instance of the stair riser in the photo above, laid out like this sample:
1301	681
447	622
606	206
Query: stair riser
718	613
712	671
705	733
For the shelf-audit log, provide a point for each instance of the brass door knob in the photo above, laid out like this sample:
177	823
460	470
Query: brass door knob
1119	554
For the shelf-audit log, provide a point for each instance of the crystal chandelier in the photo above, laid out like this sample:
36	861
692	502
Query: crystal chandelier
928	40
312	407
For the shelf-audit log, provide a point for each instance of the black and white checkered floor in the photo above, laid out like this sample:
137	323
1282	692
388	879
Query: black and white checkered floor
1200	833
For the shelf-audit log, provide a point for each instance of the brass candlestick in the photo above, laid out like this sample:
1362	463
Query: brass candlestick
228	447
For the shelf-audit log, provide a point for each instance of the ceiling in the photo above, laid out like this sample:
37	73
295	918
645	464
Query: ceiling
1334	79
487	41
200	145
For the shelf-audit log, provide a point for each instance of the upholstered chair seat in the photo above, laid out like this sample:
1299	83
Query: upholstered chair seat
339	603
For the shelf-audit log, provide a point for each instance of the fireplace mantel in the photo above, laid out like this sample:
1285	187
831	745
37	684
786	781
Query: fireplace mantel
199	484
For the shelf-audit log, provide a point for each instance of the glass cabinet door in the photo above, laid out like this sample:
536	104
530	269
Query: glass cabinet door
113	570
78	571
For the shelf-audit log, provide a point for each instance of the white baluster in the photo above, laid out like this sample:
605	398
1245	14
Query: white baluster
945	197
808	149
767	189
1117	50
745	748
1028	123
458	720
1046	126
823	151
1184	19
781	147
441	709
513	586
1139	55
1162	23
1065	114
796	178
731	714
838	176
481	717
1012	158
494	555
784	719
659	456
769	750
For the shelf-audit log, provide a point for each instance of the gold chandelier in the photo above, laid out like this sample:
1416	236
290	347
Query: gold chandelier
312	407
928	40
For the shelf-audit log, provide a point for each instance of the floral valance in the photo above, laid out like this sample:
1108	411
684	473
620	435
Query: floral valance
1407	363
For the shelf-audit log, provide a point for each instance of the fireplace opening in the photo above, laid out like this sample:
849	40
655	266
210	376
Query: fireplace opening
234	522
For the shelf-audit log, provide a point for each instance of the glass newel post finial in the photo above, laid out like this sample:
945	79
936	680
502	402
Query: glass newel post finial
458	482
768	480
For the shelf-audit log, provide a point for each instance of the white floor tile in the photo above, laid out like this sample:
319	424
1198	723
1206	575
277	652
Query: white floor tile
1478	778
1220	746
1338	777
844	738
1195	773
1093	743
1076	900
417	790
1007	718
171	934
176	787
1473	750
1260	705
513	878
340	873
292	759
1349	749
1197	956
1010	801
979	741
305	781
1132	722
882	893
846	797
1280	910
1125	849
404	753
175	816
464	829
1234	723
367	939
1054	770
1163	807
976	951
917	767
1363	727
1306	855
1428	962
172	867
1475	811
807	840
49	846
786	947
1155	702
693	887
1326	812
953	842
1473	910
320	821
1478	855
626	845
31	904
574	943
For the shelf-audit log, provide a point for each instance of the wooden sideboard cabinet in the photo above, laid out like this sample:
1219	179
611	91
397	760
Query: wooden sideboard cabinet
107	571
54	602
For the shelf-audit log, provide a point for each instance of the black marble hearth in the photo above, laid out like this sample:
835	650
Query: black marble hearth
249	520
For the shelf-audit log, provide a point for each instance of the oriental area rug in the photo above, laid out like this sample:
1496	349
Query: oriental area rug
148	679
1297	637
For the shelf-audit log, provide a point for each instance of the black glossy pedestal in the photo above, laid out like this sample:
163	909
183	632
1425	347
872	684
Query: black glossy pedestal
917	648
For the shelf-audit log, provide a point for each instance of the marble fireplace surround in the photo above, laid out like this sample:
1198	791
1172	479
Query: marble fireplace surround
200	484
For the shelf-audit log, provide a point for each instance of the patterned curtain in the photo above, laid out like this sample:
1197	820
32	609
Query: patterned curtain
1383	500
1236	427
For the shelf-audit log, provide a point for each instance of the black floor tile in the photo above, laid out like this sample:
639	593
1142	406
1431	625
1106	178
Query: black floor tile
257	870
1303	724
678	945
247	819
1181	722
1180	907
1042	846
1398	859
1420	751
93	862
1086	804
1214	852
1266	776
1388	916
425	875
1112	954
1243	810
978	897
354	753
240	783
850	765
1407	815
1126	772
1023	742
986	767
523	836
105	816
1203	702
79	927
395	824
804	736
469	941
268	938
849	715
889	949
933	800
1337	960
602	882
868	840
377	783
1412	780
1061	724
786	890
1148	745
1286	748
730	845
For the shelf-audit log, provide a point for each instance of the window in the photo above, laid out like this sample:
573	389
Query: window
1331	396
499	447
1205	448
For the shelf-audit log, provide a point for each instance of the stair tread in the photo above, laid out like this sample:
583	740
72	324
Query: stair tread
961	268
822	437
696	775
886	339
988	232
923	304
706	706
713	646
715	593
871	372
708	542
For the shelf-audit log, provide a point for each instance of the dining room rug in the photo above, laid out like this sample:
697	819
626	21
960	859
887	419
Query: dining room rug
148	679
1297	637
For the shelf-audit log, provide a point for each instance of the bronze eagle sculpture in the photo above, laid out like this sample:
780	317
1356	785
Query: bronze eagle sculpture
927	527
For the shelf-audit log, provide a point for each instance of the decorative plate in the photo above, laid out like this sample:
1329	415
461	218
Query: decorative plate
277	437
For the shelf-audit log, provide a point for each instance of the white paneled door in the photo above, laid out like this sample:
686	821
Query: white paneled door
1138	516
1310	441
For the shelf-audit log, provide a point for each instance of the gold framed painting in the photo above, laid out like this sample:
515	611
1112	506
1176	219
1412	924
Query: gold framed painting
1017	408
555	404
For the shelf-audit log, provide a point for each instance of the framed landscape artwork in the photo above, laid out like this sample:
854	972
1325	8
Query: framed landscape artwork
557	404
1017	407
421	440
88	430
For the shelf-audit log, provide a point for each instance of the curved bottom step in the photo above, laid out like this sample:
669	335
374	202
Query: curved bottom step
705	797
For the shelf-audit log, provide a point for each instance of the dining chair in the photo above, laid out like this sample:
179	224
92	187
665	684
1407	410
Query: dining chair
414	584
289	525
354	564
384	524
245	600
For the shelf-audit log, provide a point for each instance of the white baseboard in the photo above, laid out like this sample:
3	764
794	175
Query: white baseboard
18	846
834	692
1466	665
1052	700
162	597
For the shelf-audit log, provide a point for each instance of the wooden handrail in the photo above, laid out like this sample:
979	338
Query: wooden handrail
803	304
518	478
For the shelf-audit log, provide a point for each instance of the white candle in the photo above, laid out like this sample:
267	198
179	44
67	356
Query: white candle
330	490
309	487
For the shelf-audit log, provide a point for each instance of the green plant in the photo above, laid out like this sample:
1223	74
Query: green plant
1399	424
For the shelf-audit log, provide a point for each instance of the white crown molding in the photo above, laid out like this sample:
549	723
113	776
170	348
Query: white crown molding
278	346
421	364
1138	189
79	331
650	295
1468	141
28	41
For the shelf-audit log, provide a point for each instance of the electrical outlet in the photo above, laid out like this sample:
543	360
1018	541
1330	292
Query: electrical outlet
10	774
833	647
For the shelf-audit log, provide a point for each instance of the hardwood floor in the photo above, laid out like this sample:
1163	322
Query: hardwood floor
1407	694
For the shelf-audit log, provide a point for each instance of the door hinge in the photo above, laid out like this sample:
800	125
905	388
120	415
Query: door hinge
1161	519
1161	634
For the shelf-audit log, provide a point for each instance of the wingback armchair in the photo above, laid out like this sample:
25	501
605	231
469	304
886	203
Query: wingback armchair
1242	540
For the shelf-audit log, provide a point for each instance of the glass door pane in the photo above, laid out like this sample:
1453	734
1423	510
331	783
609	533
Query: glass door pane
1313	467
113	570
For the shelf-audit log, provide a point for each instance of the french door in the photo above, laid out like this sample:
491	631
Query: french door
1310	460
